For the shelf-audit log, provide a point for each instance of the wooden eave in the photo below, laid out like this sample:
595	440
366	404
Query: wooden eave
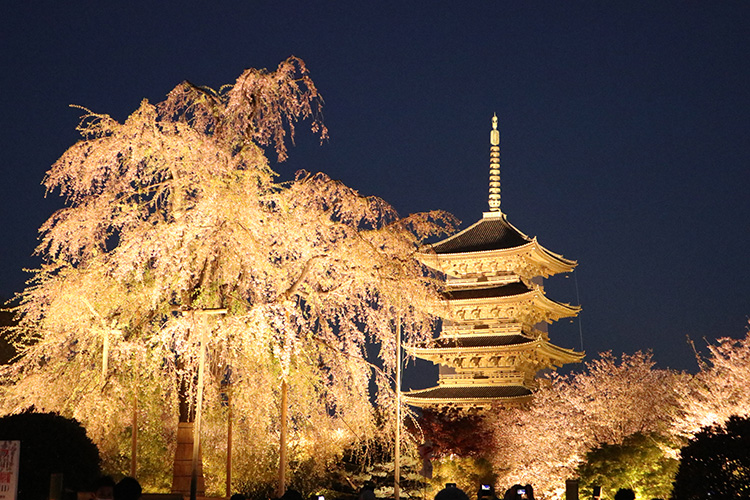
558	356
466	402
415	398
539	300
561	354
548	263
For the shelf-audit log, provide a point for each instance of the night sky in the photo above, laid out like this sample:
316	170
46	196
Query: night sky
624	129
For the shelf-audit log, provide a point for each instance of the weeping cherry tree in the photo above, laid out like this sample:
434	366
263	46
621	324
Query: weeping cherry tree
179	248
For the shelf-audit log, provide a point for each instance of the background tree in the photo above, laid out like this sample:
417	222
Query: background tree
610	400
453	432
176	234
716	463
541	444
7	352
719	390
638	463
619	398
50	444
460	444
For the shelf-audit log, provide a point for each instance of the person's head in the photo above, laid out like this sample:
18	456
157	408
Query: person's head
104	488
237	496
291	494
529	492
451	492
127	489
625	494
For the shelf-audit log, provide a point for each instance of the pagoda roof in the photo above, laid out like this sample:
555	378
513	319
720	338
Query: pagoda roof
481	341
507	290
446	348
468	395
492	239
489	233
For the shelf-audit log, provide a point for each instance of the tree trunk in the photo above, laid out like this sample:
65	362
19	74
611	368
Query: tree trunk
281	487
183	460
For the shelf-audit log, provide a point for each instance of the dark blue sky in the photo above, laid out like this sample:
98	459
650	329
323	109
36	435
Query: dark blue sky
624	129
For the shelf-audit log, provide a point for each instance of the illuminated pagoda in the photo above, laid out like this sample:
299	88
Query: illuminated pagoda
494	337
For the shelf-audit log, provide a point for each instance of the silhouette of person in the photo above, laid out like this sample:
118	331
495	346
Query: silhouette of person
291	494
625	494
451	492
104	488
486	492
518	492
367	492
127	489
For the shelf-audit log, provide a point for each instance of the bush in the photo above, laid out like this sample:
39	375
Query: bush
639	463
716	463
50	444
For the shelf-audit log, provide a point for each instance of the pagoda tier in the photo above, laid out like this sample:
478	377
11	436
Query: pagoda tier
494	339
476	396
523	303
493	247
496	353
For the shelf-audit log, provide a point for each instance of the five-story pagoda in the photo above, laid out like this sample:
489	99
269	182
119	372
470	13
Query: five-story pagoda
494	338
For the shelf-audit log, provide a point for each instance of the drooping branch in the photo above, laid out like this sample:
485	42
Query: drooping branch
302	276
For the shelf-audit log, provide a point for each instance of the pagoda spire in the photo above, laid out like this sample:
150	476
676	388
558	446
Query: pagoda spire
494	167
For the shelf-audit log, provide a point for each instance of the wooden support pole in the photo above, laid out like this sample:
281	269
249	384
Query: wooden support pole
229	441
397	459
281	487
134	436
198	414
105	355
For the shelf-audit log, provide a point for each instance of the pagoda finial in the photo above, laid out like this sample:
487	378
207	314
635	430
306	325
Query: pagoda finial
494	166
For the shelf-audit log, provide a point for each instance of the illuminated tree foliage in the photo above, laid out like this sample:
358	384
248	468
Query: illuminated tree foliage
719	390
175	228
468	473
453	432
610	400
716	463
6	348
638	463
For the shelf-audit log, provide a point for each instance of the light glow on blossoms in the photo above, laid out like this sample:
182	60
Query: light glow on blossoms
175	215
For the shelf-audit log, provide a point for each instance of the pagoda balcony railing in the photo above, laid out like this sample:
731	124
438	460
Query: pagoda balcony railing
480	379
474	281
470	329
